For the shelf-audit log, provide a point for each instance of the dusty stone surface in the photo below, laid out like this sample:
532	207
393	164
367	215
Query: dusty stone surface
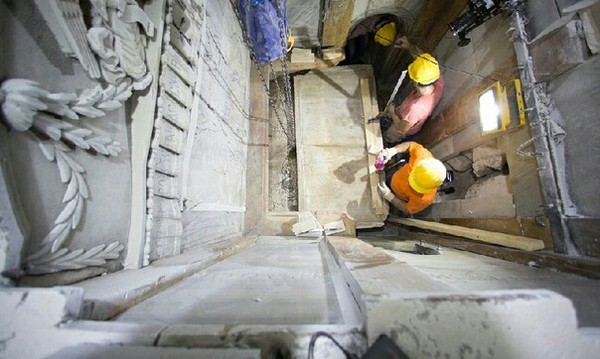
277	281
495	324
487	160
30	317
136	352
489	187
460	163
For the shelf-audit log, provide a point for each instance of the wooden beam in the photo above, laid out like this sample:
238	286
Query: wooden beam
588	267
330	58
463	113
502	239
529	227
433	20
336	23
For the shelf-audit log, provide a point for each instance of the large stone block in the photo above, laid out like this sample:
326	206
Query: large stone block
498	324
559	51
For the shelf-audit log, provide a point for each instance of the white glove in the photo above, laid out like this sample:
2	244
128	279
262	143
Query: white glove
387	154
385	191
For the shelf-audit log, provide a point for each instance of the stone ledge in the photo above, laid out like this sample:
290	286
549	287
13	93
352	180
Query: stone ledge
89	351
108	295
500	324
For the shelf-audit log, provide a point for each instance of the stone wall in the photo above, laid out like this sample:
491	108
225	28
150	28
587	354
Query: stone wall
214	190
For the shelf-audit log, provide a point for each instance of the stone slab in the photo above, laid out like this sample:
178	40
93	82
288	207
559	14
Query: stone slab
360	263
495	324
331	145
559	51
277	281
90	351
108	295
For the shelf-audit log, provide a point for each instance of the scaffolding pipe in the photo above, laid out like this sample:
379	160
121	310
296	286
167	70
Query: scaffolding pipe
554	190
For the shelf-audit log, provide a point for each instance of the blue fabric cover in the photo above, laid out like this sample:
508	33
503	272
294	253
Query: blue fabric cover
261	19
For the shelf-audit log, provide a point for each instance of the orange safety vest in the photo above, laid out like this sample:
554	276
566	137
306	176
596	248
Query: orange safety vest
401	188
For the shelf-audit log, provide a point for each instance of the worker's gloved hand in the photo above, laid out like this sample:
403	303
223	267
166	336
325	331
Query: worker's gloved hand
386	154
385	191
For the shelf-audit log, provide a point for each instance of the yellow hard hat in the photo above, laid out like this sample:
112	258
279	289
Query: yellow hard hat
424	69
386	34
427	175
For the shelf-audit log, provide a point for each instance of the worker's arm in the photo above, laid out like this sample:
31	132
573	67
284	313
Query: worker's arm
388	153
404	43
399	124
389	196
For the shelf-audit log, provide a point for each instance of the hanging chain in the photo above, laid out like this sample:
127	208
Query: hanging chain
263	80
286	77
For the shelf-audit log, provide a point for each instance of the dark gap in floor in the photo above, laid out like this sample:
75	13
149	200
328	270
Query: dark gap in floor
283	165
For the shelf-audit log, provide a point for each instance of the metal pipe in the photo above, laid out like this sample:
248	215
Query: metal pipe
554	189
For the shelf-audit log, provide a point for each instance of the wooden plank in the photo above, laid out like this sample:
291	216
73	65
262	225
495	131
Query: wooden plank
374	144
515	226
336	22
433	20
461	117
588	267
502	239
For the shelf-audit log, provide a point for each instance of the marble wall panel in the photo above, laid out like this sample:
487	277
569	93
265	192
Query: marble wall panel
184	21
166	227
166	186
174	112
171	137
167	162
179	42
175	86
179	65
165	208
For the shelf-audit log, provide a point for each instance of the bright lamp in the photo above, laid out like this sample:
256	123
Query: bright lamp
494	114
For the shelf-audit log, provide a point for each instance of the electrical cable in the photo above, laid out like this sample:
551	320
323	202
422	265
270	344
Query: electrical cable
314	338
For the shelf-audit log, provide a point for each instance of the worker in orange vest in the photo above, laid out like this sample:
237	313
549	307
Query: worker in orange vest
414	185
408	118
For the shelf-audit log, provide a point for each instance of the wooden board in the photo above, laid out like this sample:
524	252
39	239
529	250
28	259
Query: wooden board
333	166
336	22
584	266
506	240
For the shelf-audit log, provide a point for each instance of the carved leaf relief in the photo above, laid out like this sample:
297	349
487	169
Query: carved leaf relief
114	47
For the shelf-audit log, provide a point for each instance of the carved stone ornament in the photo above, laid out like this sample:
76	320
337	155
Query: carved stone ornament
119	46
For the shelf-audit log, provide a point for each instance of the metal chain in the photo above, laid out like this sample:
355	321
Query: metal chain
263	80
286	76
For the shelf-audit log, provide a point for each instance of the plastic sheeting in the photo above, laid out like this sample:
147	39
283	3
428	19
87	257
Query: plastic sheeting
261	19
